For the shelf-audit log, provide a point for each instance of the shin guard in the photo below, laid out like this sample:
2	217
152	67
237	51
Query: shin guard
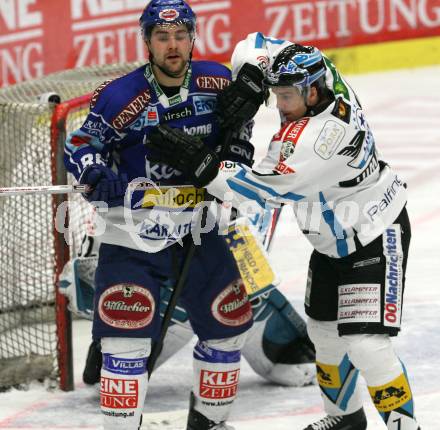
124	381
395	404
387	381
216	375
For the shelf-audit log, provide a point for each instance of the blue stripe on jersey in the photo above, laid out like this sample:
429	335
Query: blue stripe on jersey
246	192
335	227
290	196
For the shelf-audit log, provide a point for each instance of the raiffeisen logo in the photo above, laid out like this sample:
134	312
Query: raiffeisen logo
393	276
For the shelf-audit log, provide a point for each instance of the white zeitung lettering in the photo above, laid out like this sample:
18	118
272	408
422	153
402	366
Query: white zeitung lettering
81	8
127	39
21	63
105	44
367	26
306	20
424	16
343	30
302	21
20	14
278	14
301	16
109	46
399	8
322	29
32	68
211	38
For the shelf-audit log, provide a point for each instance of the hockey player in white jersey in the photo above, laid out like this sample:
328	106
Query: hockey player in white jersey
350	205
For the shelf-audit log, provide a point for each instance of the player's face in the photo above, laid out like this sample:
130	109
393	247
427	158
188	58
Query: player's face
290	102
171	48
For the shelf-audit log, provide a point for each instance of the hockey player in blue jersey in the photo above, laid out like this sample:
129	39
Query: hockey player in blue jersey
350	205
137	255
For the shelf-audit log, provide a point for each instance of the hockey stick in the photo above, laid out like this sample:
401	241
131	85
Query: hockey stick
43	189
158	345
268	240
68	189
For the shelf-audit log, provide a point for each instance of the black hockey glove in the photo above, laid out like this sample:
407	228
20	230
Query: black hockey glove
240	101
171	146
238	150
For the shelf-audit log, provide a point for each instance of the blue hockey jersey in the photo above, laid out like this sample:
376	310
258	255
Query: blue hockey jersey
122	114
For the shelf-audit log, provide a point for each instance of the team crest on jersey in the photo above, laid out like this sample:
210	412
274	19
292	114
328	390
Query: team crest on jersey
169	14
126	306
231	307
290	135
342	110
287	149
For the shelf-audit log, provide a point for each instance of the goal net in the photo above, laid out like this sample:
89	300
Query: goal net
35	325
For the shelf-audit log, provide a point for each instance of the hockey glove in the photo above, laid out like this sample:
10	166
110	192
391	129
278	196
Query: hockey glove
238	150
106	186
240	101
171	146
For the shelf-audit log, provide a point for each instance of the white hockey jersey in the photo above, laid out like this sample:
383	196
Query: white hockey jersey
326	166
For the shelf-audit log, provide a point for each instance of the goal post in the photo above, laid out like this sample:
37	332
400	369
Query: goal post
35	324
58	134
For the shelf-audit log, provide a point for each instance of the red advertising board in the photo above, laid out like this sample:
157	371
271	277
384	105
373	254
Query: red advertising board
38	37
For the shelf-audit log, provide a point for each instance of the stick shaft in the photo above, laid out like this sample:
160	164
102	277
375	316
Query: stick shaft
43	189
67	189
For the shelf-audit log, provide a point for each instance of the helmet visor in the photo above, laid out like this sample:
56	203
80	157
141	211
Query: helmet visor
285	94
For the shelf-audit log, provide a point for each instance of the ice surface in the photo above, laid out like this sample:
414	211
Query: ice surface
403	109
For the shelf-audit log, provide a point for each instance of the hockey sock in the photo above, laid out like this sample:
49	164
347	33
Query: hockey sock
124	381
386	378
395	403
216	375
337	376
337	382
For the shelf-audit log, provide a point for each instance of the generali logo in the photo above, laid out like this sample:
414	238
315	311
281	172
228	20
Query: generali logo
132	110
216	83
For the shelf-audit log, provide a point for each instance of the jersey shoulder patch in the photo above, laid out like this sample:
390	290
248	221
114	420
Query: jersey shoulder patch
342	110
121	100
97	92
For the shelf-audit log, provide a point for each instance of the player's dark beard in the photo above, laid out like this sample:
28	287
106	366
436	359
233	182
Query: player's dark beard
169	73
